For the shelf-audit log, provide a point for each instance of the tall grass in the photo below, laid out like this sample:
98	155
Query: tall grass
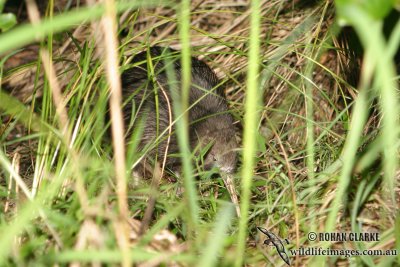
251	119
297	172
183	123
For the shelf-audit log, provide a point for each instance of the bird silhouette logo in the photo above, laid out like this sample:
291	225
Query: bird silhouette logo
277	242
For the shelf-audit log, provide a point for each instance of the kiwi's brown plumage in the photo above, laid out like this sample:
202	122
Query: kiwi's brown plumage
209	119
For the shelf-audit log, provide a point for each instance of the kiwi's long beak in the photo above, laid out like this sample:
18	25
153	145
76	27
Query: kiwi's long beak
230	186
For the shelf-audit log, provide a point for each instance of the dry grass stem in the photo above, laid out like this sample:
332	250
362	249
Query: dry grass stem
117	125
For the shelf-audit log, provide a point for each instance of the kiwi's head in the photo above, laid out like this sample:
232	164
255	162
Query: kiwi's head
222	153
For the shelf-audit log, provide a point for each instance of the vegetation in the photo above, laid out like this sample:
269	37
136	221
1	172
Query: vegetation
312	86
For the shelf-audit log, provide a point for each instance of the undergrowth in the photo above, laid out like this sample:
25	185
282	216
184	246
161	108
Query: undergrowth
318	147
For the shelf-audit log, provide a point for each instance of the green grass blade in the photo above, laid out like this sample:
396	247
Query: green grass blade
217	237
251	119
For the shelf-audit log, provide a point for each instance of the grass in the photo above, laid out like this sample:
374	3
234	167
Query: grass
317	154
251	118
